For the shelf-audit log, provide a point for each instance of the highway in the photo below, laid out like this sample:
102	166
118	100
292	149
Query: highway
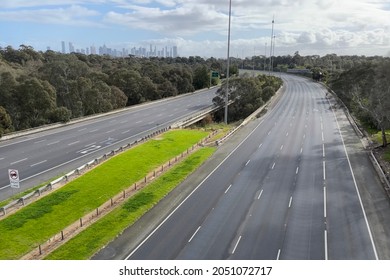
44	155
286	191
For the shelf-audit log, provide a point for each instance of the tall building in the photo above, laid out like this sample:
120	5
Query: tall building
71	47
93	50
174	51
63	47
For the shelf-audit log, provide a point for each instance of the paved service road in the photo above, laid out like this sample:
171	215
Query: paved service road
287	191
44	155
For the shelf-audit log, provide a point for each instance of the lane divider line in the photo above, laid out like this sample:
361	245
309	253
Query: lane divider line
194	234
235	247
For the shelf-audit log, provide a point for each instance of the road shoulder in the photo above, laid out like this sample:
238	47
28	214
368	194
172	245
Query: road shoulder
374	198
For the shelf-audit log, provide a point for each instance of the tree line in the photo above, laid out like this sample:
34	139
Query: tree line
38	88
365	90
248	93
362	82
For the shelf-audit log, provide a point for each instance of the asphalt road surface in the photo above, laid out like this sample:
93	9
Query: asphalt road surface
286	191
41	156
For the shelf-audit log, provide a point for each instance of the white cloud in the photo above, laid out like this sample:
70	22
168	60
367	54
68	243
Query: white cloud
73	15
312	25
180	21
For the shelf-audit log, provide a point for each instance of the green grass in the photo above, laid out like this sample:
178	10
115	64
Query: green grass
88	242
377	137
21	194
387	154
35	223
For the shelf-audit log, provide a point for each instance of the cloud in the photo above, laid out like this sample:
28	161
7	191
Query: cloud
74	15
312	25
179	21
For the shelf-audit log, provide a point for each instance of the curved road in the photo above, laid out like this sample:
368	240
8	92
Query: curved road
287	191
44	155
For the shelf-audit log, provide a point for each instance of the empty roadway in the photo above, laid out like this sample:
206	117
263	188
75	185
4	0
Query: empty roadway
43	155
287	191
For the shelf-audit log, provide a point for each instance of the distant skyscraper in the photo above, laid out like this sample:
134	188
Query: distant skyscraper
71	47
63	47
93	50
174	48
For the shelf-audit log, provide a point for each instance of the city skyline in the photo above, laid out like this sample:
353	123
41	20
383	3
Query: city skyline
140	51
199	28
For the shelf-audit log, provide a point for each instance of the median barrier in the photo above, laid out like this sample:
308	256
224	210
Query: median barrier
28	198
58	239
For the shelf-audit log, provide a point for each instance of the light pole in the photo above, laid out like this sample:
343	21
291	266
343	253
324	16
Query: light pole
228	66
270	52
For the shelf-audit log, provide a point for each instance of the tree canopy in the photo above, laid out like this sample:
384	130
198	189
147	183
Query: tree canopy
365	90
38	88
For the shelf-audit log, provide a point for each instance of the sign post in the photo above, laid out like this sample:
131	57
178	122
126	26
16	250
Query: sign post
14	178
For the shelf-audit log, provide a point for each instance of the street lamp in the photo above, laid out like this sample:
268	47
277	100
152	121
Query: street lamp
271	49
228	66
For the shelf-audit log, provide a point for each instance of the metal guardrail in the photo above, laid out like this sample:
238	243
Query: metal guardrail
359	132
93	216
20	202
196	117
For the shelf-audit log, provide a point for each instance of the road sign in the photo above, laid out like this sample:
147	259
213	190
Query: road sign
14	178
214	74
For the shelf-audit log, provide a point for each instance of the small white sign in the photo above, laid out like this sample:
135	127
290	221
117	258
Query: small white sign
14	178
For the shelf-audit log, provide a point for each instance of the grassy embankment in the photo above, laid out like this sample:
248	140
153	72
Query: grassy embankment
35	223
89	241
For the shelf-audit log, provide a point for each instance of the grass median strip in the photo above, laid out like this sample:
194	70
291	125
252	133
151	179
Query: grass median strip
89	241
35	223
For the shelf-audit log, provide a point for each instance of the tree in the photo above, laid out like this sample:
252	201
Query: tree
375	98
201	77
5	122
118	98
60	114
130	82
36	100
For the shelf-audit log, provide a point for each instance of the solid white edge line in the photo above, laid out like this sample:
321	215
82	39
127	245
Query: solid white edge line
356	187
194	234
194	190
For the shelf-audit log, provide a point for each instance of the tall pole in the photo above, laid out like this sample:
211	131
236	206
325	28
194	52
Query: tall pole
253	61
272	39
265	57
273	52
228	66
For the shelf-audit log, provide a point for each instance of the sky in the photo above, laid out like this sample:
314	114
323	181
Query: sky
200	27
